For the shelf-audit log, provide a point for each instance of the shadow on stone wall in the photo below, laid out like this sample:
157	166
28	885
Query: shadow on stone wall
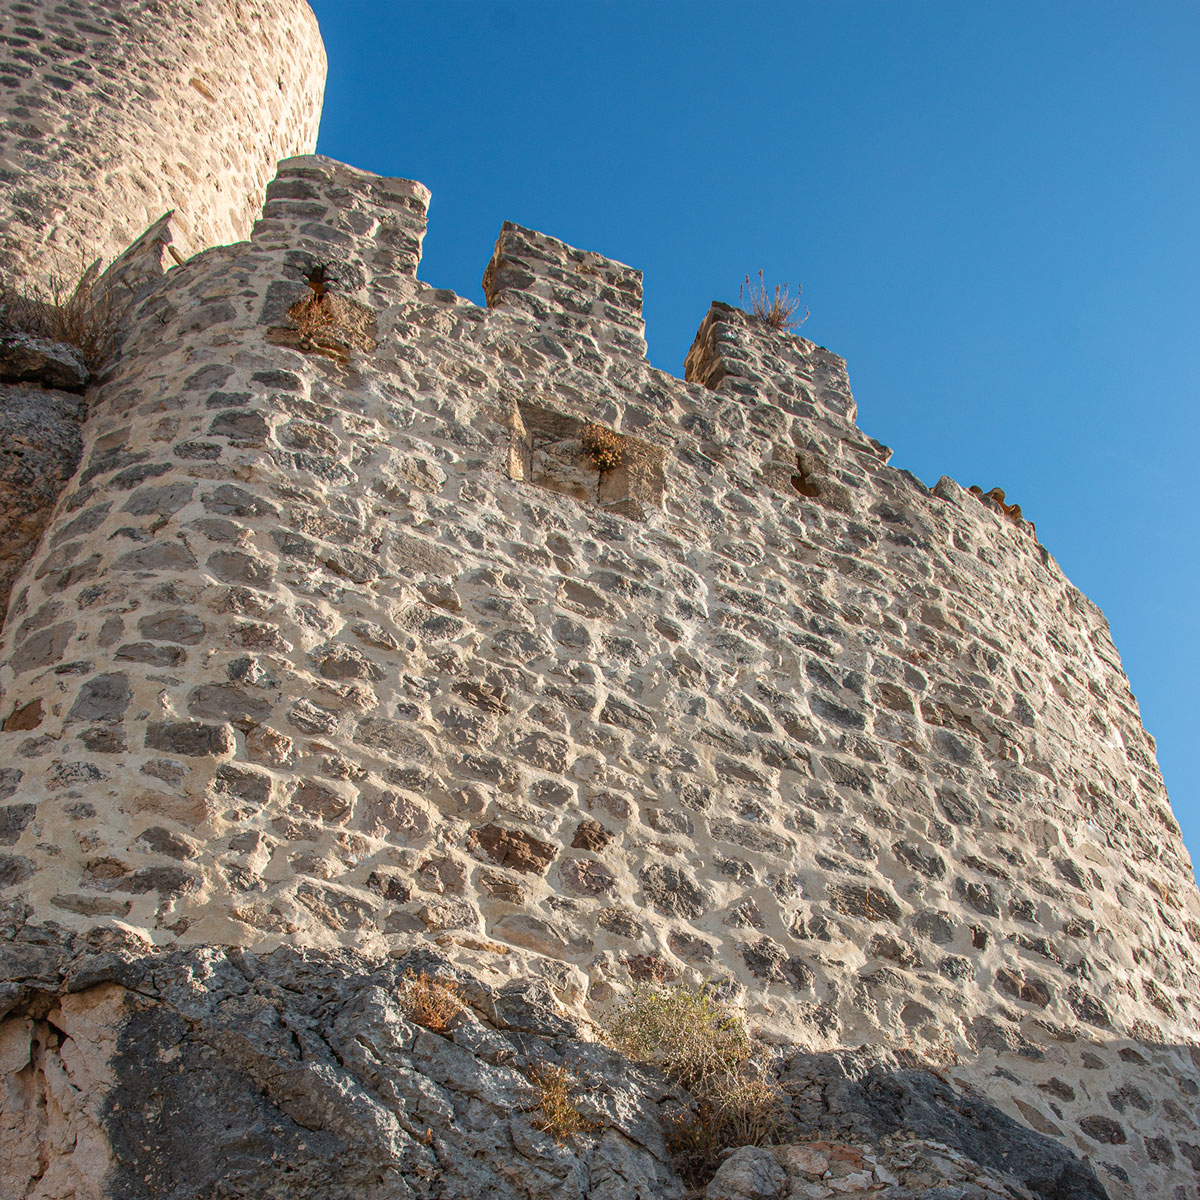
213	1072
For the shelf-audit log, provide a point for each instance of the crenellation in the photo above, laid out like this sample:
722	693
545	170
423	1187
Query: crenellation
568	290
374	625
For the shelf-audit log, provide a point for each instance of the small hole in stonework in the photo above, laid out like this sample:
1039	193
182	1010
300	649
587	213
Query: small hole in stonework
803	481
319	279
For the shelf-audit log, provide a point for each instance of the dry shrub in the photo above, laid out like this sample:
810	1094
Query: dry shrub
777	309
605	448
327	324
84	314
429	1001
559	1115
701	1042
687	1032
313	318
743	1111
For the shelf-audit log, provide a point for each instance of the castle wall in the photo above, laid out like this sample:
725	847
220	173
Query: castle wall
422	624
113	112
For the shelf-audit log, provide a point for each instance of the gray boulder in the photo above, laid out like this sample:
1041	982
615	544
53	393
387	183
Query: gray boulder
28	359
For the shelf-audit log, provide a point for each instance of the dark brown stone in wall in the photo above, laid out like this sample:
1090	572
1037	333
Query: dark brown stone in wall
512	848
590	835
1103	1129
24	717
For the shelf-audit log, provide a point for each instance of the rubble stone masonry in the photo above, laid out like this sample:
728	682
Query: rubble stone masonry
114	111
394	622
354	630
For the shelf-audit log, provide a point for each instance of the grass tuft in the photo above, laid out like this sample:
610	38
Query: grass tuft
777	309
558	1114
430	1001
84	314
702	1043
604	447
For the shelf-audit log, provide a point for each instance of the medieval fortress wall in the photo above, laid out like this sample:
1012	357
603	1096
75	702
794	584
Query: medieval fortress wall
431	625
114	111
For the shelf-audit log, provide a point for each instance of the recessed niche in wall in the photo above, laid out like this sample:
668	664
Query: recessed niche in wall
590	462
804	480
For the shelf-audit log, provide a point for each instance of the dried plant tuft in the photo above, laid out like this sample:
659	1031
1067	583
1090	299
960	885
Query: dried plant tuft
430	1001
702	1043
558	1114
777	309
84	314
605	448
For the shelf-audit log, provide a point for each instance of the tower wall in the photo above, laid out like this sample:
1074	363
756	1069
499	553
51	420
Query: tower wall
430	626
113	112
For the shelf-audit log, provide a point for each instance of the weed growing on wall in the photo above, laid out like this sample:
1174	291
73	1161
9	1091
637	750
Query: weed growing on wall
84	314
604	447
777	309
325	322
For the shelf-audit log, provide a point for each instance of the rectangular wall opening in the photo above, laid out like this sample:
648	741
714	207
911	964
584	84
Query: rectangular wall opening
590	462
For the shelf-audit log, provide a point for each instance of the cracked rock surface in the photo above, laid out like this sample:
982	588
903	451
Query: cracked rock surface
299	1074
214	1072
28	359
40	445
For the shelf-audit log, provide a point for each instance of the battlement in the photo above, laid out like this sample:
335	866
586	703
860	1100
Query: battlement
568	290
375	623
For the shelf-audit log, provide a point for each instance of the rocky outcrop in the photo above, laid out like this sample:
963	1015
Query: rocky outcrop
40	445
302	1074
28	359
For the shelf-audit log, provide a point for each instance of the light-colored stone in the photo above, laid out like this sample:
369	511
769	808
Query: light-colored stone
386	621
824	741
200	99
751	1173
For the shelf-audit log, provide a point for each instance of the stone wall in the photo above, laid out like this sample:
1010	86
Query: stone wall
376	620
114	111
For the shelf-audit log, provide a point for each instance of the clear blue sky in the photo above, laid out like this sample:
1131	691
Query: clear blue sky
992	208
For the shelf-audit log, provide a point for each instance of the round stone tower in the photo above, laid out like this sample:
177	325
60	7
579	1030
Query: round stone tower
114	111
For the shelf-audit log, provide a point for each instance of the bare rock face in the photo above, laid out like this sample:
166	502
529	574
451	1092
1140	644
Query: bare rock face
40	445
27	359
303	1074
901	1167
